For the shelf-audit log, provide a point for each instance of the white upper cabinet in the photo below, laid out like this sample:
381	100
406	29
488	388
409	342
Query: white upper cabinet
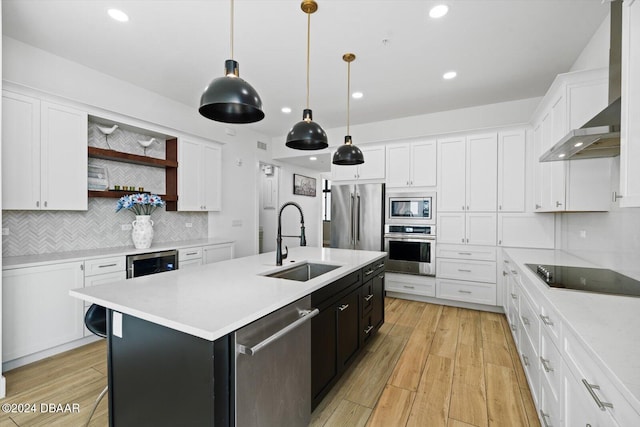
468	173
630	125
372	168
412	164
44	155
575	185
199	176
511	171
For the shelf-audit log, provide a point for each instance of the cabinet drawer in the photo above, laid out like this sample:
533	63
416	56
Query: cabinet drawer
189	254
549	409
104	265
530	322
477	271
551	365
481	253
531	365
481	293
215	253
585	369
550	322
410	284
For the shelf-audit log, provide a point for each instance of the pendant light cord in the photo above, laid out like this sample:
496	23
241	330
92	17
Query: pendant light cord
231	26
348	92
308	50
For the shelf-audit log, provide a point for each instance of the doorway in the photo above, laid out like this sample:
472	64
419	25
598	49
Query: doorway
268	185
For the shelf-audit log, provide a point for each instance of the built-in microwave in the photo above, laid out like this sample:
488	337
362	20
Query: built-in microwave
410	208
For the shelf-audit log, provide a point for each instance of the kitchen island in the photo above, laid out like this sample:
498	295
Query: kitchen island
164	330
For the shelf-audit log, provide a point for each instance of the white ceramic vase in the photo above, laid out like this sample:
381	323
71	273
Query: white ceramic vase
142	231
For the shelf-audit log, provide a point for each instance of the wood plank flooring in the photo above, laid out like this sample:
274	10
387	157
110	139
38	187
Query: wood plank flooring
429	365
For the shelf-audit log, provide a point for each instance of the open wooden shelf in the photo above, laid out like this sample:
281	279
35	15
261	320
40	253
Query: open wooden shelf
102	153
170	165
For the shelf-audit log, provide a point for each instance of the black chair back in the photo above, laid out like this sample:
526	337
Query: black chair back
96	320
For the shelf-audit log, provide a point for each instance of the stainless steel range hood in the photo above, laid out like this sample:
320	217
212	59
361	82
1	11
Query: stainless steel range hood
600	136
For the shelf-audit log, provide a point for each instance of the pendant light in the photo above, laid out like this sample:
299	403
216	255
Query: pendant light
348	154
306	134
230	99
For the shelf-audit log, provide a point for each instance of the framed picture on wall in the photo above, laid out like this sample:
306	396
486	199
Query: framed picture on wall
304	185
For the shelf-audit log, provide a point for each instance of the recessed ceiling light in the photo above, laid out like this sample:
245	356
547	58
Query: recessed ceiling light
578	144
313	158
357	95
286	110
561	155
449	75
438	11
118	15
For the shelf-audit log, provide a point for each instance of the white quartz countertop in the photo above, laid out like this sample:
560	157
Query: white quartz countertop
212	300
70	256
608	325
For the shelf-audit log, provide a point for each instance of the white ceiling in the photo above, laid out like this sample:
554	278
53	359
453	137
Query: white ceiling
502	50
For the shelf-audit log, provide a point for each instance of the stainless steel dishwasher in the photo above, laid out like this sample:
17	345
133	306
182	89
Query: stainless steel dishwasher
273	368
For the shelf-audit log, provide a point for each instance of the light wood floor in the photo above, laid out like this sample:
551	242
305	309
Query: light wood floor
428	365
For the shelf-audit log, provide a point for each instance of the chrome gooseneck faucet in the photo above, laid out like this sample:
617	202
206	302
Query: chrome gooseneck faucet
303	240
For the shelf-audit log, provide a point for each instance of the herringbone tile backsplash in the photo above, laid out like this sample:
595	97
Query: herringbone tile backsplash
38	232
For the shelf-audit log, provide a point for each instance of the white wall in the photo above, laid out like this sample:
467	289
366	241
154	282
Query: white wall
596	52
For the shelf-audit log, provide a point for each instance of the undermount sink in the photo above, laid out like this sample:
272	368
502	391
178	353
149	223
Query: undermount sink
303	272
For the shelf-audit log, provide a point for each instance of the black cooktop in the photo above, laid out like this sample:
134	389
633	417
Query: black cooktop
599	280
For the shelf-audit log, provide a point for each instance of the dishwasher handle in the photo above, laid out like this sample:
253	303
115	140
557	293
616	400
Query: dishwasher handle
305	315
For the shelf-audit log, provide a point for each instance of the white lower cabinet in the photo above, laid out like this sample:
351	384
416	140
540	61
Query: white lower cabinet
466	273
189	257
101	271
410	284
37	311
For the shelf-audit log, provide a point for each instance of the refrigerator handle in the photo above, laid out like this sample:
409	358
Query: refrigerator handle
351	222
358	220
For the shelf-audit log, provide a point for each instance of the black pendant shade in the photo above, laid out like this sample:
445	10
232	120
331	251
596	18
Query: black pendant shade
307	134
230	99
348	154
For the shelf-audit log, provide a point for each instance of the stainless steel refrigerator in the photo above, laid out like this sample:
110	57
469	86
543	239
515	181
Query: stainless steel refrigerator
357	216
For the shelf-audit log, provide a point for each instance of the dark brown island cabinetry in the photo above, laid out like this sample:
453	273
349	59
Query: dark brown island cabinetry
351	311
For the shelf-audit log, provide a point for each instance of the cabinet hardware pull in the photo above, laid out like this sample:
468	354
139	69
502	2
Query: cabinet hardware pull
82	267
381	276
591	387
513	328
45	203
368	297
368	329
37	204
506	261
462	207
380	265
504	273
525	321
463	292
616	196
538	206
544	418
514	296
343	307
525	359
463	240
192	253
558	204
499	242
409	287
546	320
465	253
514	271
464	271
545	364
368	273
107	265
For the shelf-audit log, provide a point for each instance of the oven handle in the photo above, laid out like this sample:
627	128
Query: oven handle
409	238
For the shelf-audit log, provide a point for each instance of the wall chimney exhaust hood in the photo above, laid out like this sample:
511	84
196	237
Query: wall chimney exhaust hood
600	136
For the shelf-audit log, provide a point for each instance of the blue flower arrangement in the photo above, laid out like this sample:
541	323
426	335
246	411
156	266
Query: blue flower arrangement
140	204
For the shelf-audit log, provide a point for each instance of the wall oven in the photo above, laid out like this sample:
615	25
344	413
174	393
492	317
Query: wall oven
410	208
411	249
151	263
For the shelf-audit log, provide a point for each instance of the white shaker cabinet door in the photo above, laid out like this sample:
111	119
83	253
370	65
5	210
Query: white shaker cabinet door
452	175
451	227
630	125
37	311
374	165
482	173
511	171
481	228
189	191
398	161
212	174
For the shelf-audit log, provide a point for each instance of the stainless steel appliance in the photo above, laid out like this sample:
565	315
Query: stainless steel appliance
273	368
151	263
410	208
411	249
357	216
598	280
